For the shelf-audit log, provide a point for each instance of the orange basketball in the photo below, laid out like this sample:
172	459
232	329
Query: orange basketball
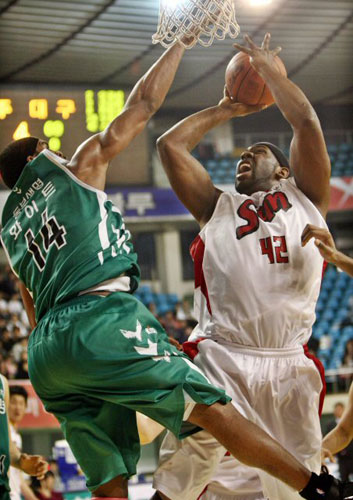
245	85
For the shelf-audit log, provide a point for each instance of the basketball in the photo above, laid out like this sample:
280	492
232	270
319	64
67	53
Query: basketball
245	85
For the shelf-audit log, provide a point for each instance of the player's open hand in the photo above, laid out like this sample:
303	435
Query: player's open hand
260	56
322	239
34	465
238	108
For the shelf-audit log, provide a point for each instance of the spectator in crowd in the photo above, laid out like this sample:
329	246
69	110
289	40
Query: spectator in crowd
44	488
15	306
153	308
7	282
3	304
22	370
9	367
347	361
17	410
348	320
15	322
348	355
183	310
16	335
54	468
14	328
19	348
7	341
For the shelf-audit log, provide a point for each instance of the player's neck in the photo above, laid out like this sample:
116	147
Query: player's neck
14	425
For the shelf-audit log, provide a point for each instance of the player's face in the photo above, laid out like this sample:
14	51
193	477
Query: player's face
17	408
256	170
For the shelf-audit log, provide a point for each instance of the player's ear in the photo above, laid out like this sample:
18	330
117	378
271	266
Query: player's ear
30	158
283	172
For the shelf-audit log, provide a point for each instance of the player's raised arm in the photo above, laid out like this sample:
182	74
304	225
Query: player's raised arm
308	155
340	437
187	176
92	158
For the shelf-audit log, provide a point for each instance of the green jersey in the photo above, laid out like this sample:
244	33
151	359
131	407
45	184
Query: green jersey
4	441
63	236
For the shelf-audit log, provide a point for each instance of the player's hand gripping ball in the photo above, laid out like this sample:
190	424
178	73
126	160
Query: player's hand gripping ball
243	82
245	85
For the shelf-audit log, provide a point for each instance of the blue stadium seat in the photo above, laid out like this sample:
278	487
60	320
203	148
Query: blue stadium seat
173	298
332	148
328	315
211	164
345	146
332	303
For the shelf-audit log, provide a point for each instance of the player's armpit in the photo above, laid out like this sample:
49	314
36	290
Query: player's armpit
28	304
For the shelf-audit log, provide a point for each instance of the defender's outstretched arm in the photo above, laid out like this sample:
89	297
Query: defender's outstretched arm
92	158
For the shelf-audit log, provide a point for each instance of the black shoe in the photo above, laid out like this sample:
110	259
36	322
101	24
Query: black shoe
323	487
347	491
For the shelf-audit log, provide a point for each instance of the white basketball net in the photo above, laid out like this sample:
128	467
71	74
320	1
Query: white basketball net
192	21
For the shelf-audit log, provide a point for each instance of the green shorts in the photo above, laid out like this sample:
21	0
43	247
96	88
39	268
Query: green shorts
96	360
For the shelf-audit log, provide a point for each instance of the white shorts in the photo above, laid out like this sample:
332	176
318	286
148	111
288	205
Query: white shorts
279	390
234	481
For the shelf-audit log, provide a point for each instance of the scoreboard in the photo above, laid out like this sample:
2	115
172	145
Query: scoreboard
66	118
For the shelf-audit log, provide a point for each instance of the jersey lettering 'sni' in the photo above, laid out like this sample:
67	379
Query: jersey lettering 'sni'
255	283
272	203
63	236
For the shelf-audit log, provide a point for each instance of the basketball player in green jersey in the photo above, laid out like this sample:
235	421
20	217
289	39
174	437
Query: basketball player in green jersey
96	354
9	454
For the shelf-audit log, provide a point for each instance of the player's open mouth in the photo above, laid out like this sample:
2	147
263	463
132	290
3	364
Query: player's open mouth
243	168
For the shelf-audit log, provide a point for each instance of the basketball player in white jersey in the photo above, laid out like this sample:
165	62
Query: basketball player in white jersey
17	409
256	286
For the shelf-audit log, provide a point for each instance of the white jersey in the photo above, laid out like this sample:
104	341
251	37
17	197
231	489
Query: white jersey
255	284
15	474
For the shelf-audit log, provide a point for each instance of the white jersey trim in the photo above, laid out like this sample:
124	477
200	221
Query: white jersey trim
8	256
61	164
292	181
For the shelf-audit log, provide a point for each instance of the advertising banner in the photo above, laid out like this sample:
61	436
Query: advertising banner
341	193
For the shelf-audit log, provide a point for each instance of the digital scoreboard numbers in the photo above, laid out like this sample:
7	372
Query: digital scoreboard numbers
47	115
67	118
